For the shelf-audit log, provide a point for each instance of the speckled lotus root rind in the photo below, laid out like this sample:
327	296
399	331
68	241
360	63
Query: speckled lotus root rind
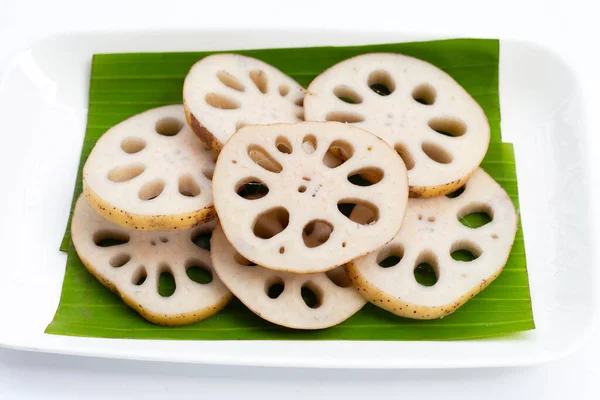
224	92
438	129
335	300
431	234
151	172
304	191
129	262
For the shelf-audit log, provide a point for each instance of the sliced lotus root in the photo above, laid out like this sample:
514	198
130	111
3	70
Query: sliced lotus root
440	132
307	176
300	301
448	250
135	264
151	172
224	92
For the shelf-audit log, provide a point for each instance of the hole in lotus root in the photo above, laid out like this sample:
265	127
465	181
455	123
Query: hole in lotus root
346	209
381	82
230	81
339	277
262	157
299	101
241	260
426	270
448	126
260	80
198	272
300	115
271	222
151	190
311	294
342	116
405	155
347	95
475	215
283	145
283	90
119	260
457	192
221	101
316	233
274	287
390	255
164	239
309	143
301	189
437	153
139	276
339	152
366	176
251	189
188	186
465	250
201	237
424	94
208	173
106	238
126	172
132	145
367	213
168	126
166	281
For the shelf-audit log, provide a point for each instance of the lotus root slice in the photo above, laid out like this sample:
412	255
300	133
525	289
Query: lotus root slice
224	92
441	258
437	128
133	263
150	172
307	177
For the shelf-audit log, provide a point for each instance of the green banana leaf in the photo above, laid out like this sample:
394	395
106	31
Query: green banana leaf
123	85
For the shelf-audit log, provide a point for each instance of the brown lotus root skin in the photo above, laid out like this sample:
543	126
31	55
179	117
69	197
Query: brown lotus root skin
426	192
145	222
203	134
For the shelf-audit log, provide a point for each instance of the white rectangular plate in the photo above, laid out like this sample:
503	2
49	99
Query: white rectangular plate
43	98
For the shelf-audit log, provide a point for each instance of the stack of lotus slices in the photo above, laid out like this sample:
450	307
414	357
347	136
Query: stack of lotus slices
317	200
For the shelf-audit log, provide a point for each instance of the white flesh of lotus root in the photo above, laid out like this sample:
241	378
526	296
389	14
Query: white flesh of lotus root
431	232
304	194
336	299
121	267
151	172
224	92
438	129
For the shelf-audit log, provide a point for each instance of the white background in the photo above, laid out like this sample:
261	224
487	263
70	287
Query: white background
568	27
